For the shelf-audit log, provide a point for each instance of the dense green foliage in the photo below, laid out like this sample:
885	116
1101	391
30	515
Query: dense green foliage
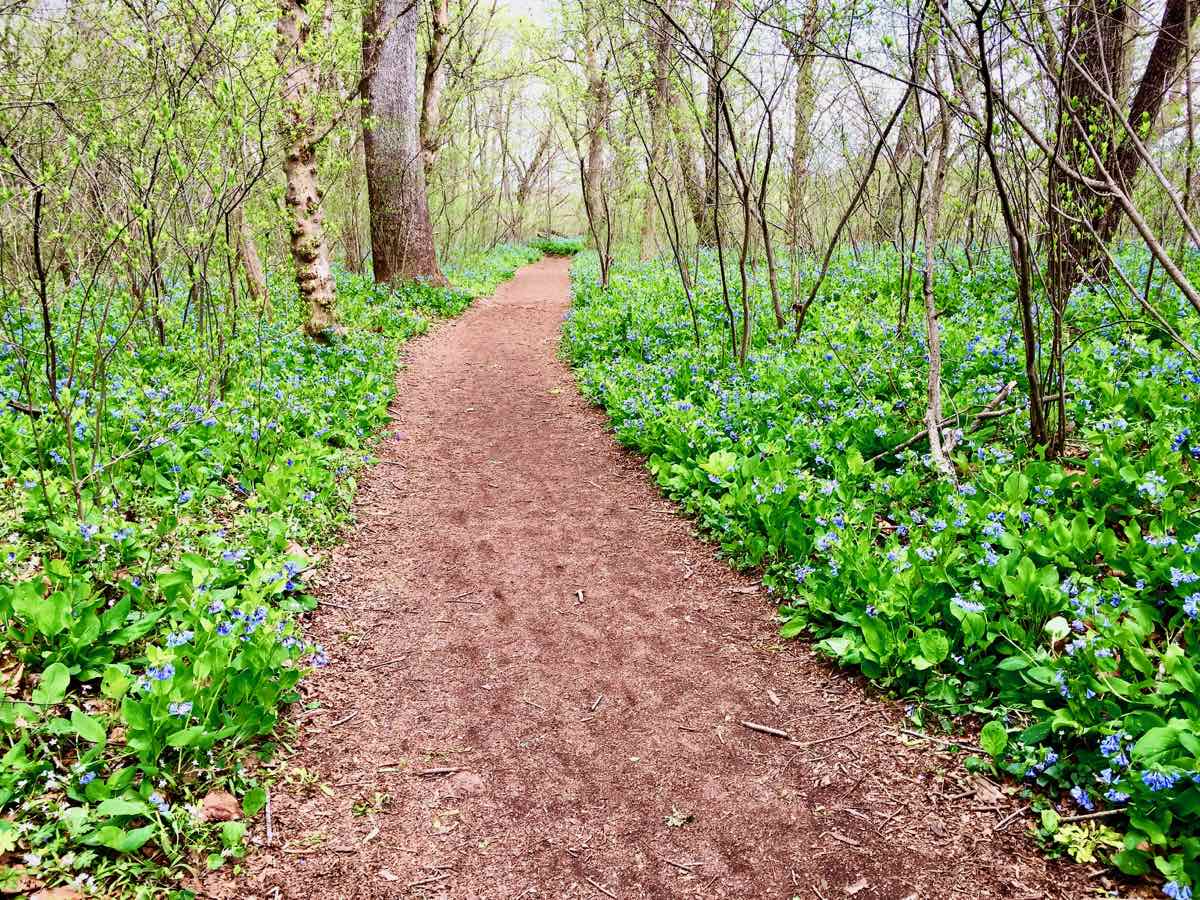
1056	600
552	245
153	561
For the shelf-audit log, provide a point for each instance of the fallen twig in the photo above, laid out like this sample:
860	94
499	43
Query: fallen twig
1012	815
1092	815
596	705
430	880
681	866
835	737
925	737
766	729
601	888
342	721
435	773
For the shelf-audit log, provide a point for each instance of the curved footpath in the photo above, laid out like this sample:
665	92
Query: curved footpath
538	678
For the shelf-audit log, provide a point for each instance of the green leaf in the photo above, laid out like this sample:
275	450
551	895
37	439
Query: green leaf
1156	741
792	627
935	646
52	686
255	799
115	682
185	737
1081	533
875	635
232	833
120	840
993	738
87	727
118	806
49	615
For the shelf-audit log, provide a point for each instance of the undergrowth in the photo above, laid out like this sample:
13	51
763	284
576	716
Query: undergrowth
1056	602
556	245
153	560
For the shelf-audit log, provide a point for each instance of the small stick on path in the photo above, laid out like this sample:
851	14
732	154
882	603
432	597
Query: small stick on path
596	705
601	888
1012	815
766	729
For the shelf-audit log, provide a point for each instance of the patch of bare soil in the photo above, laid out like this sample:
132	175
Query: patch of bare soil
539	677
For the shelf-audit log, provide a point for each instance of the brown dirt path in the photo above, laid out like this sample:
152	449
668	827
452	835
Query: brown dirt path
577	727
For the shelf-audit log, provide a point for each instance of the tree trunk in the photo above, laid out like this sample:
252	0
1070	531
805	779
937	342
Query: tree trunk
594	170
434	80
690	171
526	184
936	160
310	251
256	280
799	46
401	232
1095	37
658	100
717	69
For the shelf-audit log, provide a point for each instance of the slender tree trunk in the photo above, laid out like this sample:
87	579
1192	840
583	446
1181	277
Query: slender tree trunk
799	46
658	100
934	176
310	250
401	231
718	67
690	170
594	172
256	280
434	81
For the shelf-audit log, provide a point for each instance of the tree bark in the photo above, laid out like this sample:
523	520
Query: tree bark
1095	36
717	69
658	100
799	46
256	280
309	248
434	81
401	231
594	171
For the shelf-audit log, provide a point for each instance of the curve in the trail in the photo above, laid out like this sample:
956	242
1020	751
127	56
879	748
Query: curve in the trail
539	678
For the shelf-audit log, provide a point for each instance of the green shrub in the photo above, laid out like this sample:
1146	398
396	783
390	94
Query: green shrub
555	245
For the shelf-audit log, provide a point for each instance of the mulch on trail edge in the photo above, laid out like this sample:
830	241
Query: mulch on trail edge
539	676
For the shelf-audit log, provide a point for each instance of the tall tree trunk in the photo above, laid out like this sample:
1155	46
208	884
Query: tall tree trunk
800	47
658	100
594	170
310	250
690	169
434	81
247	249
722	30
1094	39
888	225
1093	34
937	158
401	232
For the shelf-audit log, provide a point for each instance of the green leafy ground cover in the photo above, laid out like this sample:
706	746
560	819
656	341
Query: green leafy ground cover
152	564
1054	602
555	245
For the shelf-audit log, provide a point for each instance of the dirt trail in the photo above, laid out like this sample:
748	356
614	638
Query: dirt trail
594	736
